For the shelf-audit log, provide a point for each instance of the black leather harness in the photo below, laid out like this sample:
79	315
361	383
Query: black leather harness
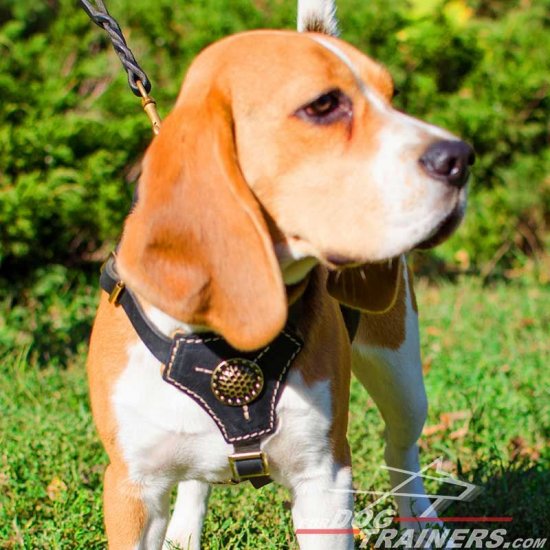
239	390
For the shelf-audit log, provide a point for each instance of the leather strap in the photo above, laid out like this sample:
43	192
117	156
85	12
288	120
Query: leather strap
157	343
248	462
160	345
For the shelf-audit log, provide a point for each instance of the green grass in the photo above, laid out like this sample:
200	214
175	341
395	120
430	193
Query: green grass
486	356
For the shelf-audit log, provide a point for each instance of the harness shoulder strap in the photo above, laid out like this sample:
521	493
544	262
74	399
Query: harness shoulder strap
120	295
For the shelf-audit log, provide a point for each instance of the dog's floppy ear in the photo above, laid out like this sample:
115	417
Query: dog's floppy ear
196	244
372	288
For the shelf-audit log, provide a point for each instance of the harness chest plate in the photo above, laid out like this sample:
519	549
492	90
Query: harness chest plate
238	390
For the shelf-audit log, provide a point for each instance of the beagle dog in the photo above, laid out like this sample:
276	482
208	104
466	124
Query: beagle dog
282	176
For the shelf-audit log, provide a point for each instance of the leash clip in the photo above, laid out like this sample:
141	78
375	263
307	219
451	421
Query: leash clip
150	107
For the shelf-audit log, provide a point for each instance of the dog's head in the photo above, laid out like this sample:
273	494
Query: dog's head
283	150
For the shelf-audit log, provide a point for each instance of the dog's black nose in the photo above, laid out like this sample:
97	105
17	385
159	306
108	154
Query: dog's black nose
448	161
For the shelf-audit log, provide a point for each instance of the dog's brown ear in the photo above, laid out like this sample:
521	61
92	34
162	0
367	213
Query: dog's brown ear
372	288
196	245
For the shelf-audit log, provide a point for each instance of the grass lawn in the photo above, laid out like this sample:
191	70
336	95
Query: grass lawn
486	358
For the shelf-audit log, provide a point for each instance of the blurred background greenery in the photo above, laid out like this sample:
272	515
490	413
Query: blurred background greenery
72	134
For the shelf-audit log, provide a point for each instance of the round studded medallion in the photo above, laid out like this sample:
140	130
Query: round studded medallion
237	382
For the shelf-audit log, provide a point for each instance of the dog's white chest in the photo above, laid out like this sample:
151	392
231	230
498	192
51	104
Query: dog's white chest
162	431
164	434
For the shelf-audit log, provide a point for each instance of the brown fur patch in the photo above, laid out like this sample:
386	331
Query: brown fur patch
124	510
184	264
386	330
327	356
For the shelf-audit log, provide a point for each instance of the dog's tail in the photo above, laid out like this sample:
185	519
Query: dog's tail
317	16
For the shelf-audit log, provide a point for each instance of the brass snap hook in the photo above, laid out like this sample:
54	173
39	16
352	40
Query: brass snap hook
150	107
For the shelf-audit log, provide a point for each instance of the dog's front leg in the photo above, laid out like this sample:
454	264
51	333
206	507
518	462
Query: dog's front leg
387	362
188	516
310	455
136	515
322	511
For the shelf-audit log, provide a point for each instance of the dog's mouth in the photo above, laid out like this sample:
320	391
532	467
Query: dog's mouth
445	229
297	256
339	261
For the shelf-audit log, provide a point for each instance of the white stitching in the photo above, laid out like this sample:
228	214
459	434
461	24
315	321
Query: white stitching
272	412
195	339
205	371
190	392
212	413
262	353
198	340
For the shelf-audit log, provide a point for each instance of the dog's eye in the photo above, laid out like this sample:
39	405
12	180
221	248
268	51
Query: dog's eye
327	108
323	105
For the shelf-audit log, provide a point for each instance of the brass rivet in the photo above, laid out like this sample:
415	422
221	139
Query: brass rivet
237	382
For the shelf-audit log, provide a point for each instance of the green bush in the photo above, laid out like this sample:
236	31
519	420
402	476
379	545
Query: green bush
71	133
48	316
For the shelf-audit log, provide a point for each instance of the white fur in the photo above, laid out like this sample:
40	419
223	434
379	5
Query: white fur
414	206
299	452
188	516
322	10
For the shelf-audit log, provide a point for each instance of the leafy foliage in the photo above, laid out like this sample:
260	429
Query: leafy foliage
49	315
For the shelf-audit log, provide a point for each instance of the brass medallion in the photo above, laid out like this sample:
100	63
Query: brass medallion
237	382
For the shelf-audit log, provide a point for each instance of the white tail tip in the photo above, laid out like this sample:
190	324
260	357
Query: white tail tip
317	16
